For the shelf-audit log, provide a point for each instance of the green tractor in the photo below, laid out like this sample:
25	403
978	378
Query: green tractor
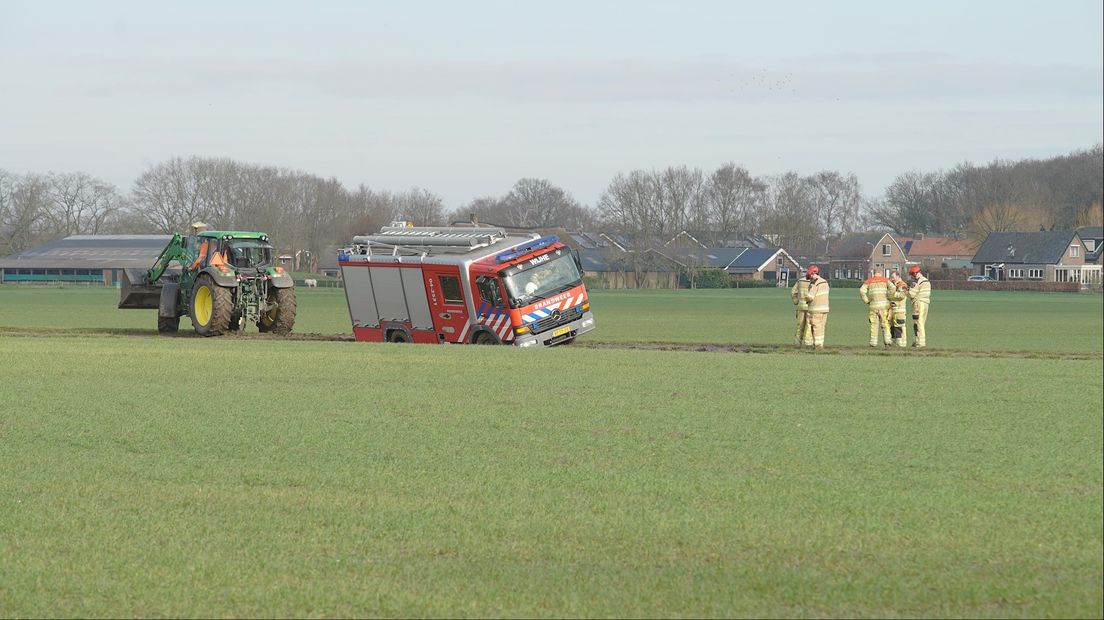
225	281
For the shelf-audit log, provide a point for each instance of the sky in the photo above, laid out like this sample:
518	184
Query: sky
465	98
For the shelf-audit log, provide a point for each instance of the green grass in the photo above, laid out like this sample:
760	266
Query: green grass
262	477
958	319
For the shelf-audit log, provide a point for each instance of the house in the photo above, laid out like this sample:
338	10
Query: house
1046	256
85	259
1093	237
772	264
859	256
937	252
743	263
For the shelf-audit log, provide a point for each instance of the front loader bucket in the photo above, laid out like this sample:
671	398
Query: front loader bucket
136	293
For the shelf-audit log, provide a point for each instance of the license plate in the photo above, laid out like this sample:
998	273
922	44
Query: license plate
561	331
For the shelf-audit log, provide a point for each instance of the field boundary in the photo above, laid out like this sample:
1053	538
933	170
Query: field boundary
694	347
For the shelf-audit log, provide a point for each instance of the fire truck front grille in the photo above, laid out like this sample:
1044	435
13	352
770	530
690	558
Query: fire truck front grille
549	322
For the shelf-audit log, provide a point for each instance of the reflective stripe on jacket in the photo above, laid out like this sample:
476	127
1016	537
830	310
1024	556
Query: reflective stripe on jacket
874	292
920	293
797	294
817	295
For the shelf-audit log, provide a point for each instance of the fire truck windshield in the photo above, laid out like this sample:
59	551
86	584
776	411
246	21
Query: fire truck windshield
548	274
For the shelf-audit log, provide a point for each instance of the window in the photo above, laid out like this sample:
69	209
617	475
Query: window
1090	245
1075	251
1035	274
885	250
779	263
450	289
1061	275
1016	274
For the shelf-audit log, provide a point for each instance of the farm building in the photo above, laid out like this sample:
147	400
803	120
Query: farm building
857	257
1045	256
86	259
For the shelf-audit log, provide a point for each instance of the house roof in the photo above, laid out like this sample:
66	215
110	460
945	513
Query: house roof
1043	247
610	259
939	246
857	246
719	258
91	252
1091	232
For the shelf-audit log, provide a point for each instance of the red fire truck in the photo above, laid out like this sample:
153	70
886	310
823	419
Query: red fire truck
474	285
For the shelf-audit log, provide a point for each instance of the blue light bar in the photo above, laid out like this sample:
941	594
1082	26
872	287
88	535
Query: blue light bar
521	250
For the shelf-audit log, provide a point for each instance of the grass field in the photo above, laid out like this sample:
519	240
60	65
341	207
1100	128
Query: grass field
177	476
958	320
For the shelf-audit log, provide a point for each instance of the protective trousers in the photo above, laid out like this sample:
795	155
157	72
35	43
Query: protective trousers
897	328
817	323
879	318
803	336
919	319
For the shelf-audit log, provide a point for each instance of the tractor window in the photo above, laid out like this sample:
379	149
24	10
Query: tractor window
450	289
250	254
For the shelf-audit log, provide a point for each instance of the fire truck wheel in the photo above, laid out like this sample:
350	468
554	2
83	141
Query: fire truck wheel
484	338
398	335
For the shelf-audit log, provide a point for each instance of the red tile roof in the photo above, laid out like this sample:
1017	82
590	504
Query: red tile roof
941	246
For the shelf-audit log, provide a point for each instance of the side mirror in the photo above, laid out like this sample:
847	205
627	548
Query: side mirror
578	261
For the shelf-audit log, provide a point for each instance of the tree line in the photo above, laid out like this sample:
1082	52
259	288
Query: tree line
804	213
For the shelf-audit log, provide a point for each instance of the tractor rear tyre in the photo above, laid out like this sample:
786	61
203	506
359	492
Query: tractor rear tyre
211	307
280	319
168	324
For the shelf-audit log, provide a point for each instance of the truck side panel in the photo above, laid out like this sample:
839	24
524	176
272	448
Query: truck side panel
361	296
416	302
390	297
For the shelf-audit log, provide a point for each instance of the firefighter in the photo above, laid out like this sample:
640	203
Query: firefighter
898	303
817	298
797	295
920	294
875	292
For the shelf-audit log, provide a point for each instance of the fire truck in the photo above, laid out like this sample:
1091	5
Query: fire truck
477	285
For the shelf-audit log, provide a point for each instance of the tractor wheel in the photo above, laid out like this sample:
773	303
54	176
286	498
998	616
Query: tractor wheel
280	319
211	307
168	324
484	338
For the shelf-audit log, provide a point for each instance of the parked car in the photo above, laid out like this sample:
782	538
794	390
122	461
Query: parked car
980	279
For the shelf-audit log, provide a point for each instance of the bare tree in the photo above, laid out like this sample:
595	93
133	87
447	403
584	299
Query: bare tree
836	200
735	200
679	192
78	204
23	202
791	219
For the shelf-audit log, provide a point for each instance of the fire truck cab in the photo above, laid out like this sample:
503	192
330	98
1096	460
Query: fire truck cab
474	285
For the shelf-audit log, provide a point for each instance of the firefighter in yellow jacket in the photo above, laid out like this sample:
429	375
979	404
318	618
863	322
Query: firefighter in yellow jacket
875	292
898	303
817	298
797	294
920	294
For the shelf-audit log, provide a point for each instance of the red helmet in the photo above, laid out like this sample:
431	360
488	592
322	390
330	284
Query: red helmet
915	269
812	270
